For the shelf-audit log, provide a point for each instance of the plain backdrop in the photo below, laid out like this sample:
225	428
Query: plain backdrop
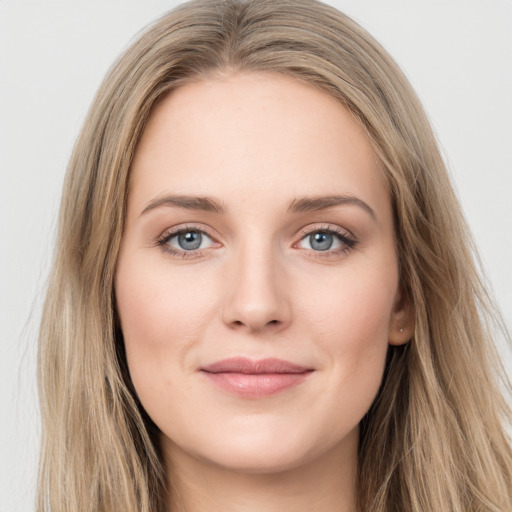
53	55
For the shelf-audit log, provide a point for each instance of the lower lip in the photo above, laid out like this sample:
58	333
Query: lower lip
256	385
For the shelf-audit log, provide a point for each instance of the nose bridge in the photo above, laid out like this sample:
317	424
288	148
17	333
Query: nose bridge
257	297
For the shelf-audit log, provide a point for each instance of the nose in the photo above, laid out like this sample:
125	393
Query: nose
257	297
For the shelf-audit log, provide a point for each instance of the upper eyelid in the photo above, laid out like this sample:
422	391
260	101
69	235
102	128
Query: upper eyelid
173	234
330	228
176	230
310	228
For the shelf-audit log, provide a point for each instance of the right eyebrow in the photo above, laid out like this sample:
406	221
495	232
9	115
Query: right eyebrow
203	203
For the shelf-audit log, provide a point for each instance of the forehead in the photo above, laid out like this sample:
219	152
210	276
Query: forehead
243	133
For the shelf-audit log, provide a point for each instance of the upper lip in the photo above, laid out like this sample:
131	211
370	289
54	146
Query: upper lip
254	367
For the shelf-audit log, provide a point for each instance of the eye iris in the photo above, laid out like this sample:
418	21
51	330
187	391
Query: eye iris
321	241
190	240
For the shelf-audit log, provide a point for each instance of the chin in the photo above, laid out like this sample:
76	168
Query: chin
267	450
262	461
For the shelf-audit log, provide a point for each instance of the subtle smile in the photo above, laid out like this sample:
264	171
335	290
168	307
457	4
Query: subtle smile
246	378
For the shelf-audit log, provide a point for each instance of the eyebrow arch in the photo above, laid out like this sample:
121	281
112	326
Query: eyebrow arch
207	204
308	204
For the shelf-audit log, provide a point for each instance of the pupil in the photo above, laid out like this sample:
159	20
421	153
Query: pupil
321	241
190	240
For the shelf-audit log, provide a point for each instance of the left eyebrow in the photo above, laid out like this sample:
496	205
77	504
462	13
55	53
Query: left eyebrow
308	204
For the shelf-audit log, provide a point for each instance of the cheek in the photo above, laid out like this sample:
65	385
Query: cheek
352	309
161	316
350	322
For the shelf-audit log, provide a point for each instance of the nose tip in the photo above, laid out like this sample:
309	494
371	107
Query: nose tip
257	299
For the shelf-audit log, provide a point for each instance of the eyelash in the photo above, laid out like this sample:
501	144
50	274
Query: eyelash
348	240
163	242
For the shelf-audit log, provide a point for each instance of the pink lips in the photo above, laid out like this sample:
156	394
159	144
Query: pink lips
253	379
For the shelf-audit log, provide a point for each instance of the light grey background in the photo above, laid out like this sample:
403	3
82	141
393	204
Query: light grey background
53	55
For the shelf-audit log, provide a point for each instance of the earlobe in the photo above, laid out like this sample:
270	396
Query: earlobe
401	325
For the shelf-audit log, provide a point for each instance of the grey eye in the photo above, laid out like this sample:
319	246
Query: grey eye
321	241
190	241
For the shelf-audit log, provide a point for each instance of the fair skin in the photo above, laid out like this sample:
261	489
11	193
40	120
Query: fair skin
291	257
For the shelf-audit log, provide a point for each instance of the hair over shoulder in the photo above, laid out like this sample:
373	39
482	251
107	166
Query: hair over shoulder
435	439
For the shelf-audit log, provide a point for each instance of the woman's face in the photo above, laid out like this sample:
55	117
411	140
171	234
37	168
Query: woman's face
257	282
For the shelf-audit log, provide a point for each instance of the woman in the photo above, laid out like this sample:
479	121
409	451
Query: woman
264	296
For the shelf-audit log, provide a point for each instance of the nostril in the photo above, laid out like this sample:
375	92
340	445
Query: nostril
240	323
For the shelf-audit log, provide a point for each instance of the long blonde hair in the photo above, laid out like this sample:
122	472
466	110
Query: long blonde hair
435	438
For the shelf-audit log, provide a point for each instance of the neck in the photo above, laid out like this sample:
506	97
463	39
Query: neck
327	483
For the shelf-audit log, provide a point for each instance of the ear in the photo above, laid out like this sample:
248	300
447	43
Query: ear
401	325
